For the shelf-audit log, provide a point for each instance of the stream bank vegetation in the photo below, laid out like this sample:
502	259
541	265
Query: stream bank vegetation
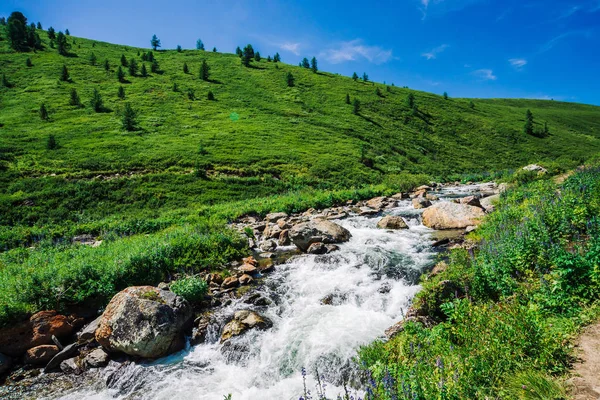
506	312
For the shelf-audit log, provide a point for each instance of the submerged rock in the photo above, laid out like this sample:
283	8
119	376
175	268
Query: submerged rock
144	321
95	359
324	231
447	215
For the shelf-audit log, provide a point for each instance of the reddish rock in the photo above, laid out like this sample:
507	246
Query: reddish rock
230	282
41	354
245	279
17	339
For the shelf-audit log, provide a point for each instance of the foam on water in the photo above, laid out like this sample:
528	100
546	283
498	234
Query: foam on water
368	282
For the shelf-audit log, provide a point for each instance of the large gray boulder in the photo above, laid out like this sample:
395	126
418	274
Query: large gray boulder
447	215
323	231
144	321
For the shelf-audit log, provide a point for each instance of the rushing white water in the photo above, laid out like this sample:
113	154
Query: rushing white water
369	281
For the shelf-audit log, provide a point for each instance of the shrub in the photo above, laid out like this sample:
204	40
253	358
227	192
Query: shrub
191	288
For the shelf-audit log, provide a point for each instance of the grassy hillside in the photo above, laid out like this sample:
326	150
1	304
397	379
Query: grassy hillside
258	137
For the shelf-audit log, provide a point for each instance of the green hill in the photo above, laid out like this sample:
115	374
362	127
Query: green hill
259	137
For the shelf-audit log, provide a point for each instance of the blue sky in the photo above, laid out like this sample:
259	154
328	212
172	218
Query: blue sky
469	48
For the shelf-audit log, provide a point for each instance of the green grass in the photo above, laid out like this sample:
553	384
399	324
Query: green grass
514	305
281	139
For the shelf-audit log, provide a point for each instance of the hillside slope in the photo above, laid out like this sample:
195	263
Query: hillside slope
258	137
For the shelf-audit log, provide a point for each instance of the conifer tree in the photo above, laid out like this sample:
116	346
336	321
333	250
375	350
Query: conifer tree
269	59
290	79
471	104
121	74
185	68
191	94
154	67
75	100
276	58
133	67
204	71
93	59
210	95
305	63
121	92
144	72
179	49
17	31
51	33
62	45
129	118
106	65
43	112
528	128
238	52
365	77
410	100
39	25
356	107
247	55
378	92
150	56
214	49
51	143
96	101
155	42
347	98
313	65
546	131
355	76
2	21
144	56
64	74
5	81
124	61
175	87
199	45
445	96
67	32
28	62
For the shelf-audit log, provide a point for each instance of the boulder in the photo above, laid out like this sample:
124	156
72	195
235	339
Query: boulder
274	217
68	352
284	238
447	215
230	282
392	222
38	330
97	358
535	168
5	363
41	354
324	231
144	321
88	333
470	201
243	321
366	211
70	366
245	279
488	203
248	269
272	231
421	202
317	248
377	203
268	245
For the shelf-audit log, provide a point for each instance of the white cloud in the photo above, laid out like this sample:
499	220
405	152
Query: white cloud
354	50
431	55
485	74
291	47
518	63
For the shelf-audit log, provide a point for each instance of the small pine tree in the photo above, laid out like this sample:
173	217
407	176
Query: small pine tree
93	59
290	79
247	55
5	81
67	32
356	107
305	63
124	61
133	67
257	56
276	58
28	62
238	51
61	44
214	49
354	76
144	71
347	98
471	104
3	21
129	118
94	44
410	101
96	101
199	45
185	68
75	100
121	75
150	56
155	42
269	59
106	65
39	25
191	95
546	131
204	71
144	56
52	44
43	112
210	95
121	92
51	33
313	65
528	128
64	74
51	143
154	67
365	77
445	96
175	87
378	92
179	49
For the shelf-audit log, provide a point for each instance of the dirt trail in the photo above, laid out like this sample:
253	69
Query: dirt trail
586	372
